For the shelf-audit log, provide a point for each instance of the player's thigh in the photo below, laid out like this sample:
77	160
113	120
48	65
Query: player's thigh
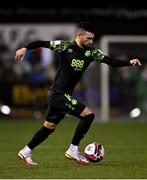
63	104
54	116
57	108
75	107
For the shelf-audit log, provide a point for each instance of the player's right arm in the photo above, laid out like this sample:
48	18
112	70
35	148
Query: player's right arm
57	45
20	54
33	45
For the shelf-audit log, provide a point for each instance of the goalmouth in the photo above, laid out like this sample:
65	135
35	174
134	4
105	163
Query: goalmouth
105	43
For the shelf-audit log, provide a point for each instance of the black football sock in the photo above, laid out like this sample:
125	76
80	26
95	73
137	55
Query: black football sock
82	128
39	137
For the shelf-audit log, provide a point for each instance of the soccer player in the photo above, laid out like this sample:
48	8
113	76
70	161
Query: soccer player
74	58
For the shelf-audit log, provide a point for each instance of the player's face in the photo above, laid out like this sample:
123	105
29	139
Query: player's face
86	39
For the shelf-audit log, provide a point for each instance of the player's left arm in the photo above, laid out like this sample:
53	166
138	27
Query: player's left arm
99	56
120	63
135	62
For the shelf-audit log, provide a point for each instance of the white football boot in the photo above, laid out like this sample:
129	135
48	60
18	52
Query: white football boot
78	157
27	159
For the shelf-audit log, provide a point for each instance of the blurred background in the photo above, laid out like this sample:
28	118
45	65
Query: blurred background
121	32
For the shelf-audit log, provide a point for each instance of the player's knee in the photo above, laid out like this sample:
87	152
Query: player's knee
88	118
50	125
86	111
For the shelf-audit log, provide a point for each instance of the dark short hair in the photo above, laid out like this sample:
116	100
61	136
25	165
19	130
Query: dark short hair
86	26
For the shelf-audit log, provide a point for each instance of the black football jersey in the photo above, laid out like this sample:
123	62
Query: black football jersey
73	61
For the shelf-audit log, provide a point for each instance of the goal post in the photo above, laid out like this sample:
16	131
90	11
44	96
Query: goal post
105	42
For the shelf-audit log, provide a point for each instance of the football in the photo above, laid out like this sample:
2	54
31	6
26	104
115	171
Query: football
94	152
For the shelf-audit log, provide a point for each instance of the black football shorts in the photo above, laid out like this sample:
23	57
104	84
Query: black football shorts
61	104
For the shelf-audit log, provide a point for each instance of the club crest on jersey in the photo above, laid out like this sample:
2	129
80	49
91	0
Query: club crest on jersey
87	53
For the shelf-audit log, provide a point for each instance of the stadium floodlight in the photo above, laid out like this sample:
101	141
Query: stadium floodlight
135	113
4	109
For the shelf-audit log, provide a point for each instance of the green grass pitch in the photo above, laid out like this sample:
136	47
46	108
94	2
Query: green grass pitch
125	146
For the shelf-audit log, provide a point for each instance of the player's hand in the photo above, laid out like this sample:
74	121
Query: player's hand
135	62
20	54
